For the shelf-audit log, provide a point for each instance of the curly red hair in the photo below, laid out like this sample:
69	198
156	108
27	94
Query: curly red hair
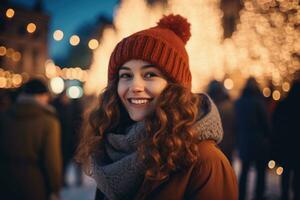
171	142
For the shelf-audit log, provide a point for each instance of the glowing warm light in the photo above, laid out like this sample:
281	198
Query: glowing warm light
16	56
57	85
279	171
25	76
50	69
31	27
228	84
269	33
93	44
17	80
9	52
271	164
267	92
276	95
3	82
74	92
74	40
67	73
2	50
10	13
58	35
286	86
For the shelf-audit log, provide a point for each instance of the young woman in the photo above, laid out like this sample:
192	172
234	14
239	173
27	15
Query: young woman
150	137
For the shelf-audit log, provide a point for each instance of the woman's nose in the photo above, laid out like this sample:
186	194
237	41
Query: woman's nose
137	85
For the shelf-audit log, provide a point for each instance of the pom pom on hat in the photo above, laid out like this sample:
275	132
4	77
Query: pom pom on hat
178	24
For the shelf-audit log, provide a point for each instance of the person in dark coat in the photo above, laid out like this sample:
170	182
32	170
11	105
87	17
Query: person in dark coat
225	105
69	112
253	136
285	140
30	154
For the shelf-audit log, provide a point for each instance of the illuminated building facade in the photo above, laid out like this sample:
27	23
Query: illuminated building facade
23	39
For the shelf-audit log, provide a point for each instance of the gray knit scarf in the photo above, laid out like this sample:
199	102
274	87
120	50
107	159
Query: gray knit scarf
123	175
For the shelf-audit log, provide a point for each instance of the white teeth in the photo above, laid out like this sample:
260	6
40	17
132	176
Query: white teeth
139	101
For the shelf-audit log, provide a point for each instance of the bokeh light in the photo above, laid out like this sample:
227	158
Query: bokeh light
31	27
16	56
2	50
267	92
286	86
74	40
276	95
279	171
271	164
58	35
57	85
74	92
228	84
17	80
10	13
93	44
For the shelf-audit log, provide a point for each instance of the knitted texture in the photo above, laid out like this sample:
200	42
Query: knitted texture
162	45
211	125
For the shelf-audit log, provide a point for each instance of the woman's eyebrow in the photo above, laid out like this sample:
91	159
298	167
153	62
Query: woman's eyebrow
124	68
148	66
143	67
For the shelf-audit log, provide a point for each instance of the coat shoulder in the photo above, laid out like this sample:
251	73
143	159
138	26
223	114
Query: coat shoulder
212	176
210	152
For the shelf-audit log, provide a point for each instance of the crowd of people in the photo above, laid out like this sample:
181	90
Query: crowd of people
259	129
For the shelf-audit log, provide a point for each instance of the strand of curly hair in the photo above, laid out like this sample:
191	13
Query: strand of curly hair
172	143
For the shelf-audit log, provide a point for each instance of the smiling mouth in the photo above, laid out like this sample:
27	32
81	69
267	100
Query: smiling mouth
139	101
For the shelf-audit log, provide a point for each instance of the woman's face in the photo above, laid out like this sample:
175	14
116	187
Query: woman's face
140	84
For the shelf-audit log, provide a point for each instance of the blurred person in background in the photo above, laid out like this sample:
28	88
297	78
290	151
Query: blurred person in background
225	105
69	112
285	140
30	154
5	100
252	137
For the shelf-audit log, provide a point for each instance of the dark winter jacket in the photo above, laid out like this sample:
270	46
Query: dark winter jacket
286	128
252	127
30	155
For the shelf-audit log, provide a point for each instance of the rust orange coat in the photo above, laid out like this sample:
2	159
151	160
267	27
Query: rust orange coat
211	178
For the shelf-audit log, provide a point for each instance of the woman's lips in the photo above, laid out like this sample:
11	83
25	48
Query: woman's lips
139	101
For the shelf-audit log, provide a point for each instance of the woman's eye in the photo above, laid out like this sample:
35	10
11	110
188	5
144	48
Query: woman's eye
124	75
150	74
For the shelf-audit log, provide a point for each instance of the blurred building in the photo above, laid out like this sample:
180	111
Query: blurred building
23	38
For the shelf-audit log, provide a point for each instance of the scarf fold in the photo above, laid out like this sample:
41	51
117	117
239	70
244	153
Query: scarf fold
119	178
118	172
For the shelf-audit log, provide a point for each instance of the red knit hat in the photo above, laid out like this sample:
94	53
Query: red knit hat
162	45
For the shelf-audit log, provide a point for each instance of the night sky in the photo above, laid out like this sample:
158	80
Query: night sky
68	16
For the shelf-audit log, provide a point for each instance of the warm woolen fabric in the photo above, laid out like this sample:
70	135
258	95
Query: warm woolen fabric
162	45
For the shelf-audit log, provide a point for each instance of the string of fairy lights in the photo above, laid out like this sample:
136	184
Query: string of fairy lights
58	35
